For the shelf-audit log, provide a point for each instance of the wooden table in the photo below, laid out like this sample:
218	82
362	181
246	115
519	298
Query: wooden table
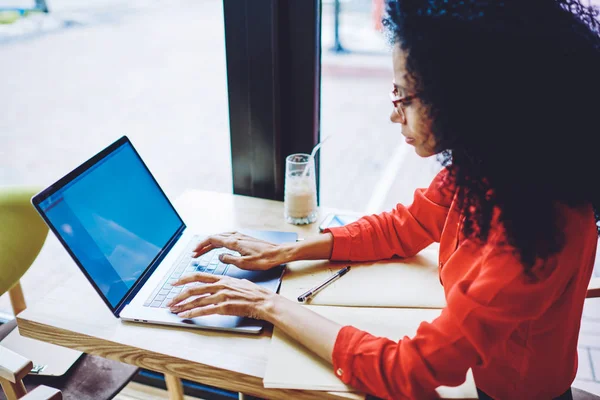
74	316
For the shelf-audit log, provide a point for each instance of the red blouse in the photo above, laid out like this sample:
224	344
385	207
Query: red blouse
519	337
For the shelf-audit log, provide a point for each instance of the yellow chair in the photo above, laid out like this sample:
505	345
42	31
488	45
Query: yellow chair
22	235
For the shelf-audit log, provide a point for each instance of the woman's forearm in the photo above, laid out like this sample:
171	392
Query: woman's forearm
313	331
315	248
318	334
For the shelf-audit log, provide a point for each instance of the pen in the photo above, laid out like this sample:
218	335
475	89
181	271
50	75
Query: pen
305	296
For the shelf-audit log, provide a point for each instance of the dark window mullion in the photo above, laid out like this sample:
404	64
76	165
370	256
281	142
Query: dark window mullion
273	73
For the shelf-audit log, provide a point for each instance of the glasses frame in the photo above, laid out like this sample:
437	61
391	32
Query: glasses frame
400	101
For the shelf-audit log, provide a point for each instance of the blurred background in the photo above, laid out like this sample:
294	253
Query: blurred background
78	77
75	79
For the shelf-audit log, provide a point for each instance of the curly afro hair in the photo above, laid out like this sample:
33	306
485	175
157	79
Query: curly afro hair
512	88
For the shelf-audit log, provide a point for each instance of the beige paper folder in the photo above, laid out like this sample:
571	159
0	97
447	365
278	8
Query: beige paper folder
412	282
291	366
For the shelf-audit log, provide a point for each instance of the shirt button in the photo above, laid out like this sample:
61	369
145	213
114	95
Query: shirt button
339	372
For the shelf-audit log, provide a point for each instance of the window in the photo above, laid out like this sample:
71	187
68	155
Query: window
365	165
76	79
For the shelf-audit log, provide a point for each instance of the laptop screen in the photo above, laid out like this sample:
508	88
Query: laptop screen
114	218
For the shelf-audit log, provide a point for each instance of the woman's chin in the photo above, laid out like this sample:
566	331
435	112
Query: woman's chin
423	152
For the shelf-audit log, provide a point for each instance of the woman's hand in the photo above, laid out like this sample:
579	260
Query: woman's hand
221	295
255	254
230	296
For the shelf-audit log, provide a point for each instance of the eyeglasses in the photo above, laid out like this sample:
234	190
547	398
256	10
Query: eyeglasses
399	101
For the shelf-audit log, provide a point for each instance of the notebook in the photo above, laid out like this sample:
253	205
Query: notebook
411	282
291	366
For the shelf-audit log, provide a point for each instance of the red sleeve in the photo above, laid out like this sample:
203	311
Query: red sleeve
483	310
402	232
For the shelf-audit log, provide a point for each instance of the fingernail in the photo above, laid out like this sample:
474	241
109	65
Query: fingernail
194	254
174	309
183	314
221	257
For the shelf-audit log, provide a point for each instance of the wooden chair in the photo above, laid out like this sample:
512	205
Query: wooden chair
22	234
579	394
594	286
593	291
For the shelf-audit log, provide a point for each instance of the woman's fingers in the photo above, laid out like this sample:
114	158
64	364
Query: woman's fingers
199	290
219	295
199	251
200	302
254	254
198	277
213	242
238	261
206	245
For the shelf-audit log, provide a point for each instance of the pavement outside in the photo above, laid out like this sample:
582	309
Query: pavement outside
75	80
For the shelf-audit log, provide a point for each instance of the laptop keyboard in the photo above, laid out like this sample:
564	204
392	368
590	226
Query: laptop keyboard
185	265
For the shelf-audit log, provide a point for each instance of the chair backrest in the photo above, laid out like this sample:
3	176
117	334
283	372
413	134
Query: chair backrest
594	287
22	234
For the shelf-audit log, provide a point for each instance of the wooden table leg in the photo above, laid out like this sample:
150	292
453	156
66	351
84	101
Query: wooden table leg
17	300
174	387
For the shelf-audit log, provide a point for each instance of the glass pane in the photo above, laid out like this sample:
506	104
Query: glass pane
76	79
365	165
89	72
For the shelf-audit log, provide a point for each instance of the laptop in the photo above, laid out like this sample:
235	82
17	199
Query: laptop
120	228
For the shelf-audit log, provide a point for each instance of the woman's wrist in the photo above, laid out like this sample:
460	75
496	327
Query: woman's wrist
301	323
272	307
314	248
288	252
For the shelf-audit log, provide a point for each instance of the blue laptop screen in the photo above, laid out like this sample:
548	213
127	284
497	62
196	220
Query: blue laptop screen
115	219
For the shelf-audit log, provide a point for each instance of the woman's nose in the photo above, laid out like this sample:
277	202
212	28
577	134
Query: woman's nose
395	117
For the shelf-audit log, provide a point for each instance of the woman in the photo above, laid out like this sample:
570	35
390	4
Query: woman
506	93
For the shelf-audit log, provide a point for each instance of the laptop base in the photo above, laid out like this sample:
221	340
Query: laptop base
146	315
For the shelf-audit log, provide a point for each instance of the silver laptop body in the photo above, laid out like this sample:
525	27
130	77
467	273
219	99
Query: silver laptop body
122	231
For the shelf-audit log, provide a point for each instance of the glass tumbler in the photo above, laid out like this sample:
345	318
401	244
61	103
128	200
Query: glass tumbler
300	193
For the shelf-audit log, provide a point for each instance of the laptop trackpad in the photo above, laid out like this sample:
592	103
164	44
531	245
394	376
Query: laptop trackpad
268	279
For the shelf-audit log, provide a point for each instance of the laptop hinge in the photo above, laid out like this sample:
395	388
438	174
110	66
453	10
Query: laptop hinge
142	280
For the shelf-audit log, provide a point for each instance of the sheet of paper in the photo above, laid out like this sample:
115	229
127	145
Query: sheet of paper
291	366
411	282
